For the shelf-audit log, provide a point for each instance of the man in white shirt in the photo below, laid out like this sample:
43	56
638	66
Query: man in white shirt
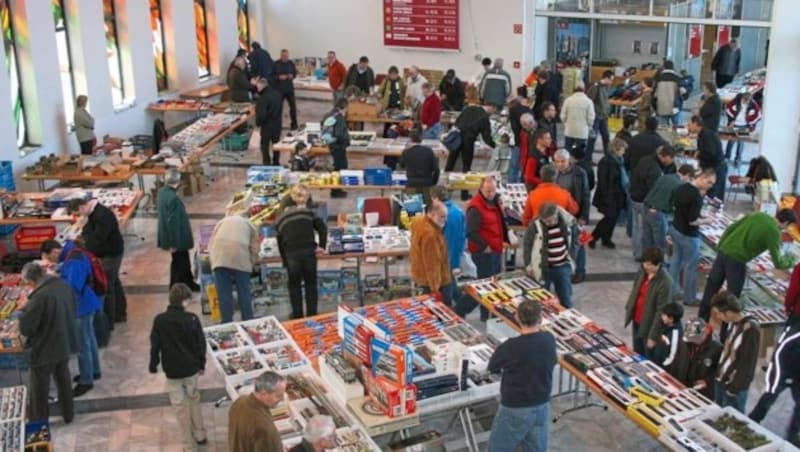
414	84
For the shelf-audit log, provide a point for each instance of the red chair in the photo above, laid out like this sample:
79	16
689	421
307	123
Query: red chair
379	79
736	181
382	206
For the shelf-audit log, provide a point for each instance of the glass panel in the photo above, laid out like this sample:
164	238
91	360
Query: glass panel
760	10
159	54
680	8
630	7
112	53
66	75
243	24
17	103
203	64
563	5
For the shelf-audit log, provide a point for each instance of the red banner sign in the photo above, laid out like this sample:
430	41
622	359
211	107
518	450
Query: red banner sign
428	24
695	41
723	35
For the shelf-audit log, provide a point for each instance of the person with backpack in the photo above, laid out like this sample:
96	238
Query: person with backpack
335	135
103	239
77	271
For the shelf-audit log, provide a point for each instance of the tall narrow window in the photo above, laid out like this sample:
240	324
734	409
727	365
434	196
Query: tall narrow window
201	30
159	52
112	53
17	102
243	23
64	59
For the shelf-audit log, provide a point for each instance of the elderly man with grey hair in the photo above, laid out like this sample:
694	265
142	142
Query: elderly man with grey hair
175	231
47	321
414	84
496	86
250	424
318	436
574	179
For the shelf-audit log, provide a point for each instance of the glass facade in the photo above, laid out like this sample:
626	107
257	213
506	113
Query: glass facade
9	44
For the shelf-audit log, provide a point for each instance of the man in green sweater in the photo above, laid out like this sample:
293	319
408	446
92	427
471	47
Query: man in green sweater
658	207
741	242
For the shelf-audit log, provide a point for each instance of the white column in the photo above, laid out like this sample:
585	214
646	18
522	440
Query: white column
779	137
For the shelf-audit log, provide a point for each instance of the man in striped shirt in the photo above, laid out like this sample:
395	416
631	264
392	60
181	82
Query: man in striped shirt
547	251
737	365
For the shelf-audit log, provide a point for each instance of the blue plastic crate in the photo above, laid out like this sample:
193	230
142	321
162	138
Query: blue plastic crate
7	176
13	362
378	176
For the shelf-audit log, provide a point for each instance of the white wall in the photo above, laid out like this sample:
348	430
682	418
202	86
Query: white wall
356	29
40	74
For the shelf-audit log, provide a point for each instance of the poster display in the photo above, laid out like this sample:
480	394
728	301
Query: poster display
425	24
695	41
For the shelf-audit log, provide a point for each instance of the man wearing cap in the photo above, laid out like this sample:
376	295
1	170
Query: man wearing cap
175	231
695	365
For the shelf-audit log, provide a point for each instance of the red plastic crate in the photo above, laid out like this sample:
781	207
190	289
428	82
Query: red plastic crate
30	238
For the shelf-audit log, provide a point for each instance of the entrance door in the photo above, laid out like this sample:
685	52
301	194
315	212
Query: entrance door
709	48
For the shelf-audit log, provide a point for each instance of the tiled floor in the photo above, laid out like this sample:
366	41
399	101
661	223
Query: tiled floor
128	409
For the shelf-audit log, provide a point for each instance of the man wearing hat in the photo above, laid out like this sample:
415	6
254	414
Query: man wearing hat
695	365
175	231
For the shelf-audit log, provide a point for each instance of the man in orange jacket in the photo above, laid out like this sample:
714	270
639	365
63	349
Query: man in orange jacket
430	265
548	191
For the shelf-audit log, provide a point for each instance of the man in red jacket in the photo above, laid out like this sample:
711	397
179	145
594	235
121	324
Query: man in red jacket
487	232
336	76
535	158
431	113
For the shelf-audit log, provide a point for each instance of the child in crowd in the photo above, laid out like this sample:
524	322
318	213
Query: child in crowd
667	345
737	364
501	157
698	355
301	158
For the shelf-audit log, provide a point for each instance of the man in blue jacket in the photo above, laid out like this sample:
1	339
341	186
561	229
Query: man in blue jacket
455	236
76	270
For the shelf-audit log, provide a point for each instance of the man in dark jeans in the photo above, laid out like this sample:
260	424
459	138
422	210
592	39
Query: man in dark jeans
48	323
487	233
472	122
295	233
284	72
598	93
337	137
102	237
269	115
421	165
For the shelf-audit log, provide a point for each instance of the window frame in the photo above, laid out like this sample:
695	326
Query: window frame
207	68
244	45
10	44
70	67
124	100
163	40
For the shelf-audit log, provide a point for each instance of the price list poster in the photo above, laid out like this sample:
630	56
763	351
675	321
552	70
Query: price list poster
423	24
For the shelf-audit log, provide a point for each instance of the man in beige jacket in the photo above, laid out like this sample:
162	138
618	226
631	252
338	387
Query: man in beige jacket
234	247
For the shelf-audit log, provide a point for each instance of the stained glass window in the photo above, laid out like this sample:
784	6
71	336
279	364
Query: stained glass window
112	53
159	52
17	102
64	59
243	24
201	30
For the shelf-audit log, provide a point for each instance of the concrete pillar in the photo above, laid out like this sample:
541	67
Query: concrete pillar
781	129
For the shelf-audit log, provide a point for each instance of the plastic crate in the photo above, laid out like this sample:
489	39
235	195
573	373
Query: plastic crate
236	142
7	176
30	238
13	361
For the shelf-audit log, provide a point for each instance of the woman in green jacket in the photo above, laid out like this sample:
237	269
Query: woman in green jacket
175	231
652	290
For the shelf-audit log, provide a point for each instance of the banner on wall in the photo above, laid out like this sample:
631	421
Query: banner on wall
425	24
723	35
695	41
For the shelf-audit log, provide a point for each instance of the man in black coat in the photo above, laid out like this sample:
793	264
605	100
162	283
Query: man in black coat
285	72
710	155
726	63
546	91
269	114
451	89
102	237
422	166
178	344
472	122
260	61
643	144
48	323
519	106
711	111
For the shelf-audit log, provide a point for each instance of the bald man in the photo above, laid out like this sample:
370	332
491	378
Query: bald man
430	265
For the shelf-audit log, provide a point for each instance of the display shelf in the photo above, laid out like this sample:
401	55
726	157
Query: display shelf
12	417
